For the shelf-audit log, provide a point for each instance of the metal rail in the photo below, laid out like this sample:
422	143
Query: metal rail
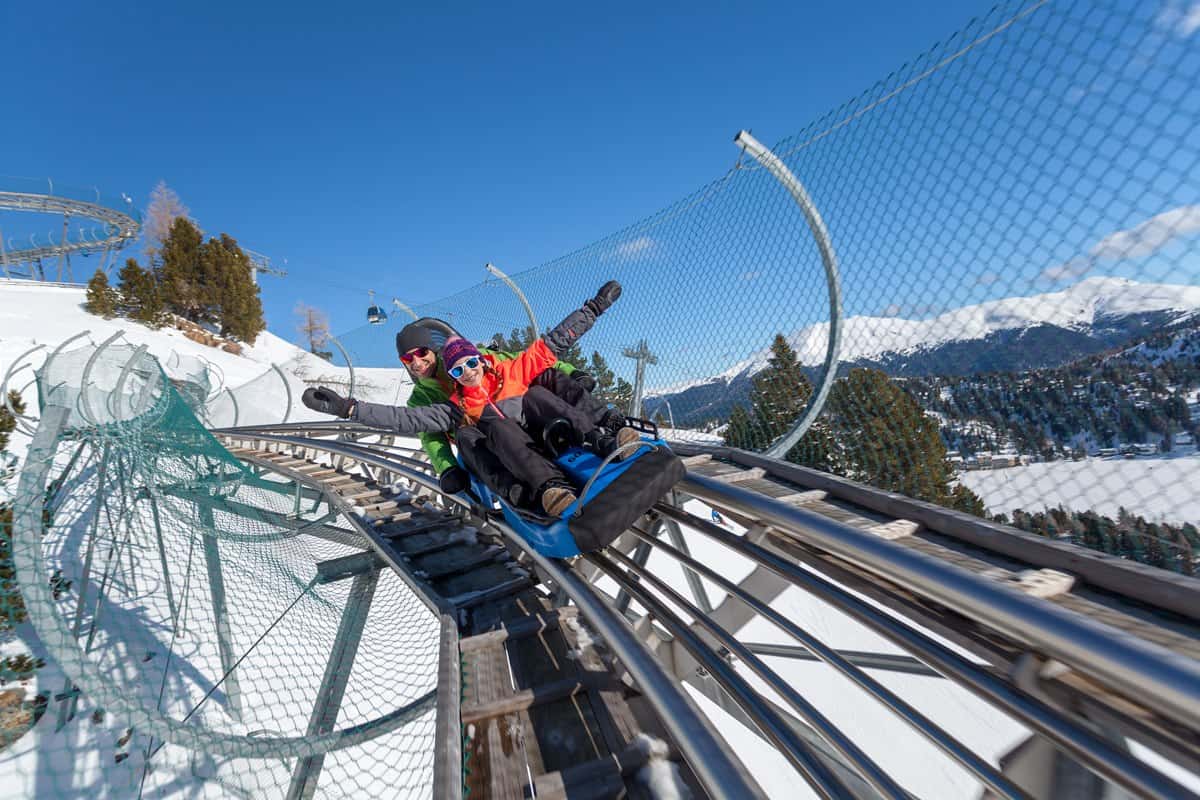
923	576
121	227
719	771
1162	680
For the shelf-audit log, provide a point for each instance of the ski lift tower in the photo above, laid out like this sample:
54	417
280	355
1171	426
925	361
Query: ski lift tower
260	263
643	356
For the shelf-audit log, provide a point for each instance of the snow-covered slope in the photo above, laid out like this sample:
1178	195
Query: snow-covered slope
36	314
1085	305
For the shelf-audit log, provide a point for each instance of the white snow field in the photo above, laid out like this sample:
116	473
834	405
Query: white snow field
1159	488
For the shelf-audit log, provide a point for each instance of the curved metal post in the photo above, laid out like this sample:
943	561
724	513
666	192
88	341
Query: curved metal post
771	162
404	308
287	388
13	369
345	355
233	400
116	392
85	406
490	267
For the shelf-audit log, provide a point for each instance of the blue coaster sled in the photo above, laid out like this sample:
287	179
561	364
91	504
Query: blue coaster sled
619	494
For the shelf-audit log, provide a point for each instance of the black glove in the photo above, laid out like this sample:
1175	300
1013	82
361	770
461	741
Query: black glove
604	298
454	480
584	379
327	401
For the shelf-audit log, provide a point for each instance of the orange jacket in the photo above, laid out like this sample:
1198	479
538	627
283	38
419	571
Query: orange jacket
503	381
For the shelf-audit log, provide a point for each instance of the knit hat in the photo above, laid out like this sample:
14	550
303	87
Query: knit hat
412	336
455	349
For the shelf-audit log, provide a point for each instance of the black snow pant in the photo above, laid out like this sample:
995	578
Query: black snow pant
555	394
502	455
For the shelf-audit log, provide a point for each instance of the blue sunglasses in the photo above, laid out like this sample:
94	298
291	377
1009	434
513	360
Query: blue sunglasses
457	370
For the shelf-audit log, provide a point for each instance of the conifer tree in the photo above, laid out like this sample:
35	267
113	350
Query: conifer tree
605	380
140	299
887	441
235	295
101	298
182	277
779	395
740	430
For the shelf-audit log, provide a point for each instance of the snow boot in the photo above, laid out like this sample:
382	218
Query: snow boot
606	445
556	497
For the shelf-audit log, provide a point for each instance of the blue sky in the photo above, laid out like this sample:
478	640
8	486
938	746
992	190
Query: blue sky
378	146
400	150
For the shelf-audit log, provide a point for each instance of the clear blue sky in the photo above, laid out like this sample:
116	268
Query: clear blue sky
378	147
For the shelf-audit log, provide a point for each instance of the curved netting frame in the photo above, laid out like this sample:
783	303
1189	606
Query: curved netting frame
150	502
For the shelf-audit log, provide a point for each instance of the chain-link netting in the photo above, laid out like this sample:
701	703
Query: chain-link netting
187	642
1013	218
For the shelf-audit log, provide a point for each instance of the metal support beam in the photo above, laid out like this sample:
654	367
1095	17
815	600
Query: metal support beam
162	559
641	554
533	323
699	593
216	585
333	683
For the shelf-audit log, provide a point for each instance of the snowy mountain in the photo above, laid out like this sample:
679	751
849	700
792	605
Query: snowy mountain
1015	333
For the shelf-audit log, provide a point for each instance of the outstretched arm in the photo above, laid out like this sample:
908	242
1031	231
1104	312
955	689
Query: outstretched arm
544	352
577	323
439	417
406	421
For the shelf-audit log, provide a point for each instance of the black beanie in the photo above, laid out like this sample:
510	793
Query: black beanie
414	335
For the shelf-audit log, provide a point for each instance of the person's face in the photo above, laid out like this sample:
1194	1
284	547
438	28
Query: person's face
471	375
423	366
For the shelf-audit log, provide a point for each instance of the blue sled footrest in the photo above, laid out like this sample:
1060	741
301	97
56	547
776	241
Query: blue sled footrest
630	494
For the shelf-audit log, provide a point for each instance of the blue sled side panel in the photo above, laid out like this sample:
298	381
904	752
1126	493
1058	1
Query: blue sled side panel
554	539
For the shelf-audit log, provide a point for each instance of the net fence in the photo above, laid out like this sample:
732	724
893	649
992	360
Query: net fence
1013	217
165	609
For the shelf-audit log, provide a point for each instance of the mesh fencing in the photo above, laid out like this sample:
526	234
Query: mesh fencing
1014	220
181	638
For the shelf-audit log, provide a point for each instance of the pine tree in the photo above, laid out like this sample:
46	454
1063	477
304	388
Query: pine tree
886	440
621	395
101	298
779	395
236	302
140	299
182	277
740	430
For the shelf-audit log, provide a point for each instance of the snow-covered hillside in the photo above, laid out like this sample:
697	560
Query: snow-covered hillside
35	314
1162	489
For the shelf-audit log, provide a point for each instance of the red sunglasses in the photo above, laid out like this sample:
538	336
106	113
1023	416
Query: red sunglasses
416	352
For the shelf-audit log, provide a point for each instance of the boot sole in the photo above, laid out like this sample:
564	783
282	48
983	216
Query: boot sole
626	436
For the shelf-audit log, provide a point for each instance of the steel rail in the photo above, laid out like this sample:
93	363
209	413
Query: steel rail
1163	681
956	750
121	227
797	751
1097	754
710	759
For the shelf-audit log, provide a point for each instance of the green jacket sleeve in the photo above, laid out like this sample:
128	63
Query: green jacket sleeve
436	445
